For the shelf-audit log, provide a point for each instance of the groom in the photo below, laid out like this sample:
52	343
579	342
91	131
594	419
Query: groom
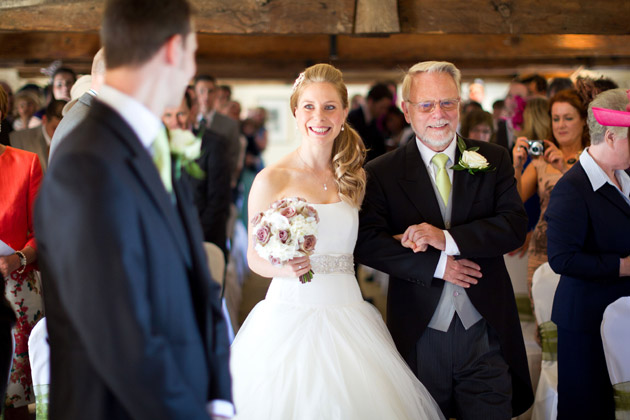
134	319
441	235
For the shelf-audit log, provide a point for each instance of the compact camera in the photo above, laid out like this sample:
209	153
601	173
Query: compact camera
536	147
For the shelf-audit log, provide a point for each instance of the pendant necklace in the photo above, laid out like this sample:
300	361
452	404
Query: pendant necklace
312	170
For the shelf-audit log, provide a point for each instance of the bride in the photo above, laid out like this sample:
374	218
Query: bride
318	350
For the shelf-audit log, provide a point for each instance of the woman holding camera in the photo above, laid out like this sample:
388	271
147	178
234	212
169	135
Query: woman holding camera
550	160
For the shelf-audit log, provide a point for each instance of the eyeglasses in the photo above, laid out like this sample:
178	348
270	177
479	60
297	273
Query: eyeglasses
429	106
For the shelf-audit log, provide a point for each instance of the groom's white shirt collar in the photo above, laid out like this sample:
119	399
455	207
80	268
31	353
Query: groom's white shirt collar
427	155
142	121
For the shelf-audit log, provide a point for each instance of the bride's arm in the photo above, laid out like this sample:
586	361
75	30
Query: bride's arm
266	189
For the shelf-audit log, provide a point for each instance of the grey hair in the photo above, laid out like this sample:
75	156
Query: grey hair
616	99
430	67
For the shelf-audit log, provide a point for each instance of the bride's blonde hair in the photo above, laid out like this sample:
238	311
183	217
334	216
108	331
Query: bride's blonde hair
348	152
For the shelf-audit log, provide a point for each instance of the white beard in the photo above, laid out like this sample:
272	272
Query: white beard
436	141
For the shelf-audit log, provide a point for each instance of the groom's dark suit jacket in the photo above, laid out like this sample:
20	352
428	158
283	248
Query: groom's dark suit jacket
134	318
487	221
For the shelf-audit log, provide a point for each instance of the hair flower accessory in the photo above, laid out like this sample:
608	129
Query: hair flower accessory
185	149
470	160
297	82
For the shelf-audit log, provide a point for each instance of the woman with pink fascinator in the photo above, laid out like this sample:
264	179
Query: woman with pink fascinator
588	221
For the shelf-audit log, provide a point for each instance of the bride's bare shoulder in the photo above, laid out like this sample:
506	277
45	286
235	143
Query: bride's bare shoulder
275	179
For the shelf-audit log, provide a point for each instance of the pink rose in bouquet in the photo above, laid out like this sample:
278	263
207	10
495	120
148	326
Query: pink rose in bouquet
288	229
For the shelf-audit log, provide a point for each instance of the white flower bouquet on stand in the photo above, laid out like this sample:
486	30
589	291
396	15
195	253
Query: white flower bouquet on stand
288	229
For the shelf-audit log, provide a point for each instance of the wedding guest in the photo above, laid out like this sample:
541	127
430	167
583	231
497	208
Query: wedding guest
318	350
536	85
477	125
79	106
364	119
569	136
20	178
37	140
559	84
212	192
588	221
6	126
222	101
26	104
514	105
206	91
536	126
62	80
476	91
7	316
441	234
134	318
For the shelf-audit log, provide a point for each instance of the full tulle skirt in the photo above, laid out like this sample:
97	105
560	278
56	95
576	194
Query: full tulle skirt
319	351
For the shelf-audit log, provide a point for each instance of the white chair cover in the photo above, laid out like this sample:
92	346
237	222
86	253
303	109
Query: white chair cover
216	262
39	353
544	284
39	357
616	338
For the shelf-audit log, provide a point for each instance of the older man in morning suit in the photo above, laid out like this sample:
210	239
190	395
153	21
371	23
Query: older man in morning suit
134	318
441	235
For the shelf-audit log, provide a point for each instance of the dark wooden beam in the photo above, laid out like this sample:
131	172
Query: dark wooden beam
515	17
509	17
216	16
283	56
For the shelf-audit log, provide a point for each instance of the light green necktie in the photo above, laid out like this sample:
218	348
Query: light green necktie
162	158
442	181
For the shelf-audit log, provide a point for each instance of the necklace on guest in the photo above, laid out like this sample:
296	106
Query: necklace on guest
313	170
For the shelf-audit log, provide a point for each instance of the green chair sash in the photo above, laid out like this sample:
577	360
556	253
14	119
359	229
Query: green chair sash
549	338
41	401
524	307
622	400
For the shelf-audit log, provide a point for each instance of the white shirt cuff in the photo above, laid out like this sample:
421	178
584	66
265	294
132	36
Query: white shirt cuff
220	408
441	266
451	247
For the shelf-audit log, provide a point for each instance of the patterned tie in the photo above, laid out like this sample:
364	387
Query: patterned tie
442	181
162	158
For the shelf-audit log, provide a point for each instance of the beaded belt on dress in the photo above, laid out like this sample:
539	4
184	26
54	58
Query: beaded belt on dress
331	264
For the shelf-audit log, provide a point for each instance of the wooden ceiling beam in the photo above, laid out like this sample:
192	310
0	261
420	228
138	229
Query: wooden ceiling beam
509	17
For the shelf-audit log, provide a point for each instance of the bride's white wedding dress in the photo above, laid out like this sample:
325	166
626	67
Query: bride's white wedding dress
318	350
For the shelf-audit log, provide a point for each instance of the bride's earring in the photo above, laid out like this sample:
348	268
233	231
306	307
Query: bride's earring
343	128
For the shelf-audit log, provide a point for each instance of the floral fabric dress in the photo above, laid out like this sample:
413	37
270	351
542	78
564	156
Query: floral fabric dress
20	177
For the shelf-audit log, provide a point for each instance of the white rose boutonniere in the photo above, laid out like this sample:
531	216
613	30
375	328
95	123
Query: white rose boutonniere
185	149
470	160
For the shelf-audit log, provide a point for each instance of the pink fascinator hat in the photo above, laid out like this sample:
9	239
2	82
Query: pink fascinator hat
611	117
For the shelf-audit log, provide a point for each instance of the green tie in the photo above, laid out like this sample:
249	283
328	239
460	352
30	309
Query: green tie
442	180
162	158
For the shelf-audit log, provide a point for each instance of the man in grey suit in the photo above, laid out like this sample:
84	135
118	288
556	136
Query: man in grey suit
206	91
37	139
78	107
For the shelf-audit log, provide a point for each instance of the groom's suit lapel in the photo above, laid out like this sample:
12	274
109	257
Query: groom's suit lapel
465	187
417	185
142	164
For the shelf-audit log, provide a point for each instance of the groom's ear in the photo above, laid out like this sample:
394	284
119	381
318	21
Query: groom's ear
173	49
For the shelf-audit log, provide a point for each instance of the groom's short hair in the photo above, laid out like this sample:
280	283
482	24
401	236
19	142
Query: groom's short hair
133	31
430	67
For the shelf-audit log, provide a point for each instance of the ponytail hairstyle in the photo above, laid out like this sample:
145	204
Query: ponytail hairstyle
348	152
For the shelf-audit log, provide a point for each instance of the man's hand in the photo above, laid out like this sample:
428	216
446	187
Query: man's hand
461	272
419	237
624	266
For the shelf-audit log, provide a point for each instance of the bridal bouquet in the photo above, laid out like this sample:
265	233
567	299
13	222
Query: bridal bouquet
286	230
